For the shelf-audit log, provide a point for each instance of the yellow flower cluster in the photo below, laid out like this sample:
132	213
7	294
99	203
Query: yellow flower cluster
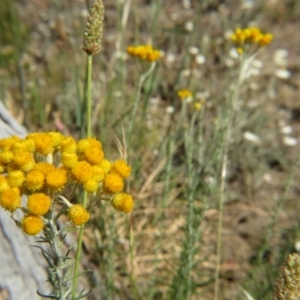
185	94
252	35
144	52
43	164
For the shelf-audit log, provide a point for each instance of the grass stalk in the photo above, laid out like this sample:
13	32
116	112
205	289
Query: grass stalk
84	202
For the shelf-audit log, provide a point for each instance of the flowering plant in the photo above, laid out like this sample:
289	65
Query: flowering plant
42	166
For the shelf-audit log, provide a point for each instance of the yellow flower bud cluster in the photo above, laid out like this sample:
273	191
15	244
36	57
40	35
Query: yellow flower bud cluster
251	35
144	52
43	164
185	95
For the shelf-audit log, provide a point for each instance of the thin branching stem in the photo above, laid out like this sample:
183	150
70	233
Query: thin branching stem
55	259
229	122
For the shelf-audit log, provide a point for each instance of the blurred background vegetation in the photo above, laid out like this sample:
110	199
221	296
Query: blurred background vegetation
166	248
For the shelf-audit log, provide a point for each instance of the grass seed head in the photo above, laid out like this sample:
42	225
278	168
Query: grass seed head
93	32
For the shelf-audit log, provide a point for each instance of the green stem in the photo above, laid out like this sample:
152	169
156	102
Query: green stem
229	122
84	202
89	97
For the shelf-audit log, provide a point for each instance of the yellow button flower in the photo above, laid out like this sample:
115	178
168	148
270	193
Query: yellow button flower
39	204
82	171
78	215
185	95
44	167
93	154
248	36
69	159
15	178
144	52
106	165
266	39
91	185
88	142
10	199
121	167
113	183
32	224
123	202
23	161
56	179
43	142
23	145
6	156
68	144
3	184
197	105
35	180
98	173
7	143
56	138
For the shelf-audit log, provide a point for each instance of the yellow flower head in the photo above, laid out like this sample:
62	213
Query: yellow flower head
34	180
6	144
44	167
56	138
93	154
3	184
43	142
10	199
23	161
144	52
185	95
39	204
69	159
32	224
154	55
238	37
23	145
123	202
88	142
251	35
91	185
6	156
56	179
15	178
197	105
98	173
121	167
240	50
68	144
82	171
254	35
131	50
106	165
266	39
113	183
78	214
